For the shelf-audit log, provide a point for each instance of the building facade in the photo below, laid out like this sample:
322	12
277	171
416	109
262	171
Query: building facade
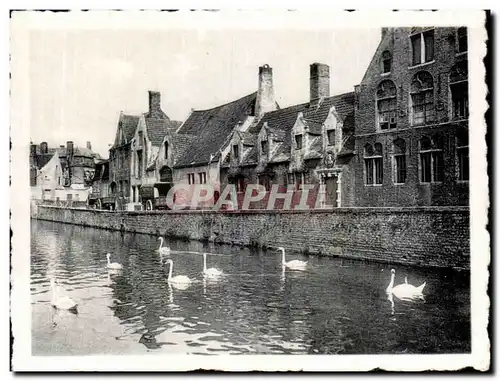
411	120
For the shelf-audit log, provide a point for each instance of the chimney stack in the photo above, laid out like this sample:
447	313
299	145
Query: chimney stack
89	146
265	101
69	148
44	148
319	83
155	103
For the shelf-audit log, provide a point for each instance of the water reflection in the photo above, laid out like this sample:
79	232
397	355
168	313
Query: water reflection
334	307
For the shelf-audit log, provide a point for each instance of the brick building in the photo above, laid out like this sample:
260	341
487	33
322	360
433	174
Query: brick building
411	120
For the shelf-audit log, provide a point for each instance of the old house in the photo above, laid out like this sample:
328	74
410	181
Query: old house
310	143
119	160
412	144
100	196
148	137
75	168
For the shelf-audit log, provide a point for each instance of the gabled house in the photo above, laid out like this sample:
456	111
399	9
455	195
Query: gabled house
119	159
309	143
412	120
152	127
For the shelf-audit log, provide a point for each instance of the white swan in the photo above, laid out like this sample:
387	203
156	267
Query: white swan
404	290
211	272
293	265
164	250
179	281
114	265
62	302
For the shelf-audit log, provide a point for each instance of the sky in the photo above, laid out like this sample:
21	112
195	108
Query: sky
80	80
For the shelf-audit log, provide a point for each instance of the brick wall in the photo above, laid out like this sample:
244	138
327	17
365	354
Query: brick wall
436	236
413	192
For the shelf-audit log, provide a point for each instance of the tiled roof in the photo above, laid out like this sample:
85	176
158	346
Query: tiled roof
129	125
248	138
158	127
180	143
212	128
315	114
314	126
314	151
251	157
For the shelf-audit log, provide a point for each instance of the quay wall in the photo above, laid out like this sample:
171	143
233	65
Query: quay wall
423	236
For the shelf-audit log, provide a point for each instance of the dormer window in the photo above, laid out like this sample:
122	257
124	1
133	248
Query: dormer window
386	61
236	151
264	147
331	137
298	141
462	39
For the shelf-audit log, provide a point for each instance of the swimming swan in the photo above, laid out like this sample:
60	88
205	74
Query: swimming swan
404	290
61	302
114	265
293	265
179	280
211	272
164	250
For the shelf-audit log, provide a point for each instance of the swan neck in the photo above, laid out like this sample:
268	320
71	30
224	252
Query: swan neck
283	256
109	260
204	262
161	242
170	270
391	284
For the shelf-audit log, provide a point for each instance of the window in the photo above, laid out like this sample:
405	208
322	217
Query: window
139	164
236	151
386	61
459	90
422	45
139	140
463	154
331	137
291	178
431	160
462	39
299	179
240	184
422	98
203	177
373	164
386	105
263	147
298	141
399	149
265	181
190	178
165	145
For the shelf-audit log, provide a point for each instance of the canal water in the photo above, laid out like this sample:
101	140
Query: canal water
334	307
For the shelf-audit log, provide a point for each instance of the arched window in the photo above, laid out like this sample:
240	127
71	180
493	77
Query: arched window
463	154
399	154
431	159
386	105
422	98
459	90
386	61
373	164
165	145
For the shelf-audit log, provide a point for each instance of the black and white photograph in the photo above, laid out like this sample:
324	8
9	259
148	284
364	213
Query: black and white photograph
305	189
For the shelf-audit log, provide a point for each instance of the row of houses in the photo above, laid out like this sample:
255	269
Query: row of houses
400	138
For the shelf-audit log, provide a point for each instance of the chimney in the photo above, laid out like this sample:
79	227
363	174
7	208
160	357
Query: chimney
265	101
89	146
44	148
155	103
69	148
319	83
33	150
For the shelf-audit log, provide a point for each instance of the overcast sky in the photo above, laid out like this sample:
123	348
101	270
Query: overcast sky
81	80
